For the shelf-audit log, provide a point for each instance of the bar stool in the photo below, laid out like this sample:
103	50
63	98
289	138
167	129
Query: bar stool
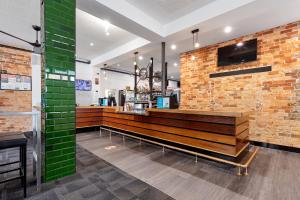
8	141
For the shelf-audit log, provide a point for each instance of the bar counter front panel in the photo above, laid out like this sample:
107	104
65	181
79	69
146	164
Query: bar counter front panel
218	132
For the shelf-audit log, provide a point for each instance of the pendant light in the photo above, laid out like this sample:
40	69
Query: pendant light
135	64
104	72
196	43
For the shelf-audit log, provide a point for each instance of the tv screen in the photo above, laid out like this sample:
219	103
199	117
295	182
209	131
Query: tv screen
83	85
238	53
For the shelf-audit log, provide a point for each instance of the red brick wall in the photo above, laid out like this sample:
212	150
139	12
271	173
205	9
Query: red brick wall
273	96
15	62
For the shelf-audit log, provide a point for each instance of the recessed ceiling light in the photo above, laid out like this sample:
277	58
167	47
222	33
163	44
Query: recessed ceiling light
107	34
141	57
197	45
227	29
91	44
118	65
173	47
240	44
175	64
134	63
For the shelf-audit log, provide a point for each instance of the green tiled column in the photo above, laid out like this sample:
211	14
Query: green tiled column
58	89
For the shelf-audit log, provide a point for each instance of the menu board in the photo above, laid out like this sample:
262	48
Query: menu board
15	82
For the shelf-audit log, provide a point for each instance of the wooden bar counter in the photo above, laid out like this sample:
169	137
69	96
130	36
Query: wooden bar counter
224	133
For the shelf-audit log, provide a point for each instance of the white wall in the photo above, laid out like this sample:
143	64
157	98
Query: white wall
36	80
84	72
114	80
173	84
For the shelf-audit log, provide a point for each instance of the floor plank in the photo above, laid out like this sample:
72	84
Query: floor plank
273	174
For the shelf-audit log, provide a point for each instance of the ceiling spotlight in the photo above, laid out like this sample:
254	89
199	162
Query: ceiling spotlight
240	44
141	57
175	64
134	63
173	47
227	29
91	44
197	45
106	27
193	58
106	24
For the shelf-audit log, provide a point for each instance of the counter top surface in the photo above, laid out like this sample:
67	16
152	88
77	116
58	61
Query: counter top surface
195	112
96	107
132	112
199	112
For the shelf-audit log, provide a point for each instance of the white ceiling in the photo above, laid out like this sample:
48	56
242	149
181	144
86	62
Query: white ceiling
17	17
247	18
92	29
144	24
166	11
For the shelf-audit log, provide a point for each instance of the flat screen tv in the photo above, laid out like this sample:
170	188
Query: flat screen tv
238	53
83	85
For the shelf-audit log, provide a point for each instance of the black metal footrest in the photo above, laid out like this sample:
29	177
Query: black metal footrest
5	164
11	170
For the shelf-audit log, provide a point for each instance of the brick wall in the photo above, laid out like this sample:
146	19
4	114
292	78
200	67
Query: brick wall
274	97
15	62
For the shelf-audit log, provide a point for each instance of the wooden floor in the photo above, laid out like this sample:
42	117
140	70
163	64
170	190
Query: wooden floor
273	175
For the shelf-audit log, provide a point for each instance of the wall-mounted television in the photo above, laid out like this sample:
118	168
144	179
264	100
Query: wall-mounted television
83	85
238	53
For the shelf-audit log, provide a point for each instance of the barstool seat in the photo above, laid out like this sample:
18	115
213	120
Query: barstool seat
13	140
10	141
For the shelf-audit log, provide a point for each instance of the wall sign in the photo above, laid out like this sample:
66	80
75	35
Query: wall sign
15	82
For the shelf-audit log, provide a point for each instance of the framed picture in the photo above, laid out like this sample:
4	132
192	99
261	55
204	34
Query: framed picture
83	85
15	82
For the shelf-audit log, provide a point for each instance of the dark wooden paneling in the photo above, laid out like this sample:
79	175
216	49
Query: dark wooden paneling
199	118
88	110
202	126
241	128
210	146
220	134
231	140
88	119
88	114
87	124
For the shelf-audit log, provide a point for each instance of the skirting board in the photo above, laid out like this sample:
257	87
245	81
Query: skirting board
276	146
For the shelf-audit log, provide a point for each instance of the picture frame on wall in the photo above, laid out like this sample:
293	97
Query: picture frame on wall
83	85
15	82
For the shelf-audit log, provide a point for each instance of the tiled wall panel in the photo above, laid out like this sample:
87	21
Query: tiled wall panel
58	89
